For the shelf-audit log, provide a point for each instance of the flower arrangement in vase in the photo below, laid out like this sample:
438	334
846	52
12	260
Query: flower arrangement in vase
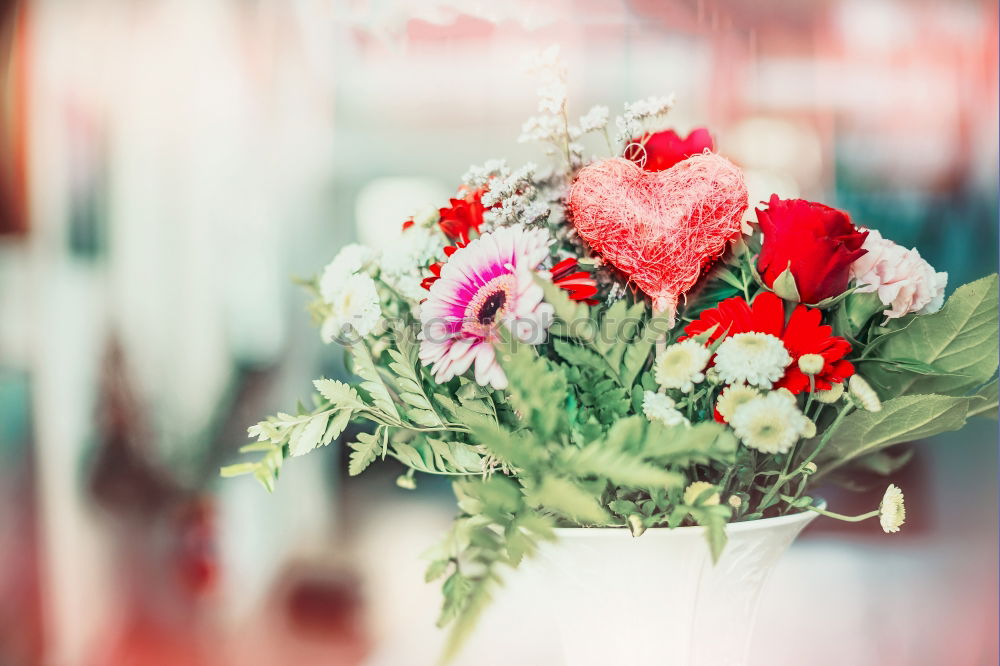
619	342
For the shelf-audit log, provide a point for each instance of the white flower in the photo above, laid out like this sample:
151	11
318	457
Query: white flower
758	359
348	261
354	306
659	407
864	394
595	119
694	491
732	397
682	365
901	278
892	512
770	424
638	116
552	96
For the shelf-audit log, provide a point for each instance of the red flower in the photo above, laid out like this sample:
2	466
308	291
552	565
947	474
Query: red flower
435	268
579	284
665	149
817	242
803	334
464	216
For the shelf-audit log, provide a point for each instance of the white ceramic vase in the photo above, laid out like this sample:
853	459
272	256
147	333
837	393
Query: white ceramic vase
657	600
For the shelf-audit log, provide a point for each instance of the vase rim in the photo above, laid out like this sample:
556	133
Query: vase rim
741	526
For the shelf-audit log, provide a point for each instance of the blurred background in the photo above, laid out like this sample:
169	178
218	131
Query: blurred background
168	166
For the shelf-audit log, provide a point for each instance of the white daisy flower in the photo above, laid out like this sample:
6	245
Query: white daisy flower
770	423
732	397
811	364
892	512
682	365
348	261
353	307
758	359
694	491
659	407
863	394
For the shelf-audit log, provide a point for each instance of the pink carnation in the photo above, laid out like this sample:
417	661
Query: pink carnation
901	277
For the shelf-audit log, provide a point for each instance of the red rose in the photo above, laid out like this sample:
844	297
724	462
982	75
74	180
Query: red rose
665	149
817	242
464	216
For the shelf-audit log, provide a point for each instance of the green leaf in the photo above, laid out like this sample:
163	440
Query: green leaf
988	404
364	452
902	419
617	466
960	339
568	499
306	436
339	394
785	287
364	367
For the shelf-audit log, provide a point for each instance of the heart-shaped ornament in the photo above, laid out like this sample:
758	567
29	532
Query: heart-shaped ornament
660	228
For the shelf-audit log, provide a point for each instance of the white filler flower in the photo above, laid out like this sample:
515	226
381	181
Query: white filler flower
354	305
758	359
770	424
659	407
348	261
892	512
682	365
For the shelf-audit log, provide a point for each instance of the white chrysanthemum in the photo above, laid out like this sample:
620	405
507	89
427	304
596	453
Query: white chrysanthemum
901	277
864	394
732	397
353	307
771	423
892	512
758	359
348	261
682	365
404	258
659	407
694	491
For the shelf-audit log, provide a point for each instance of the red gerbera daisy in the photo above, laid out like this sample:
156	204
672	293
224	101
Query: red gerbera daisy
804	333
463	216
579	284
435	268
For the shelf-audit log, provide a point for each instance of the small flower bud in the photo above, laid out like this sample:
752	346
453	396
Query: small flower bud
406	481
712	376
811	364
809	468
863	394
735	501
831	396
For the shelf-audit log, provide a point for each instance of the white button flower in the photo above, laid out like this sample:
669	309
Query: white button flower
892	512
758	359
353	307
770	424
682	365
659	407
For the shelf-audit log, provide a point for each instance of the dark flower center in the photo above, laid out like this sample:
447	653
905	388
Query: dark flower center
488	312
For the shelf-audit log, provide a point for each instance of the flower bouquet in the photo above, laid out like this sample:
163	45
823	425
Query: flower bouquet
614	342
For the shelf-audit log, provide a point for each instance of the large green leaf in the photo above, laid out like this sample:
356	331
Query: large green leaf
960	341
902	419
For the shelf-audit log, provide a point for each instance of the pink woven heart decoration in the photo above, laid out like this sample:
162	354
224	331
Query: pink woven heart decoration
659	228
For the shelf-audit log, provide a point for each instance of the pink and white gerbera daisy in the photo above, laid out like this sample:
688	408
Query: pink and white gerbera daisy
487	283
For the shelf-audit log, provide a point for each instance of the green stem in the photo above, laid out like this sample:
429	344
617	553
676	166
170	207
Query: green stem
840	516
785	477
